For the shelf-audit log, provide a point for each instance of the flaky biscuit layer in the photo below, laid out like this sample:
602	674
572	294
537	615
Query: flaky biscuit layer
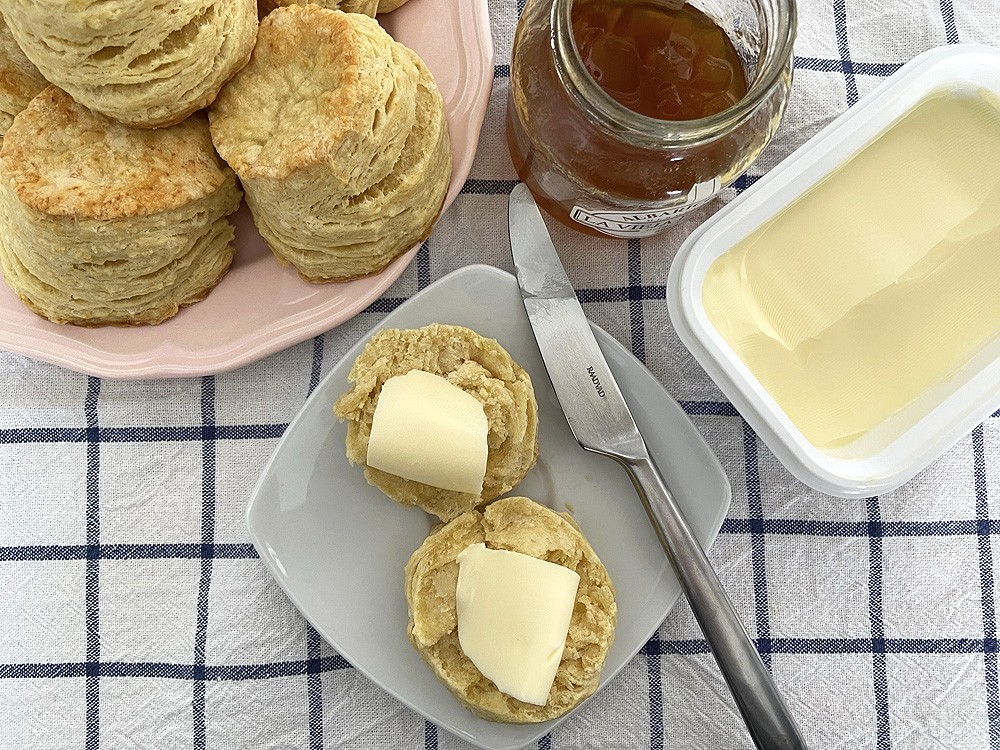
148	64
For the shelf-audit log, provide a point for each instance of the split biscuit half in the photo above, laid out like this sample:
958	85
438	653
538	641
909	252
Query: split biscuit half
143	63
519	525
477	365
105	224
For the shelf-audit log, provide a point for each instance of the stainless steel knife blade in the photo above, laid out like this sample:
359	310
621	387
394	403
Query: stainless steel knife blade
586	389
601	422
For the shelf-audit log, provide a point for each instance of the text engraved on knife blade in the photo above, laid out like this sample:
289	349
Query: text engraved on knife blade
596	381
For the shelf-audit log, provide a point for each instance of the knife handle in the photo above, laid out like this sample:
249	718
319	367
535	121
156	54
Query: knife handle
767	717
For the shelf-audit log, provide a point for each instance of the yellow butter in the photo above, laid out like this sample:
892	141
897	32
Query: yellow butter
430	431
877	283
513	616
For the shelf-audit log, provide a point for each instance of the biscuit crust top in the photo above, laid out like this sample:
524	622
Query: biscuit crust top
64	160
307	96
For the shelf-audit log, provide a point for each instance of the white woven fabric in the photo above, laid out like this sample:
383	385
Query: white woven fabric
134	613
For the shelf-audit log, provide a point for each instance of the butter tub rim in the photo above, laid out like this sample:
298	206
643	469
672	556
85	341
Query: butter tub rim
947	414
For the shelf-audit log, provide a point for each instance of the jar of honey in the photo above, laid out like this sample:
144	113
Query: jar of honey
624	115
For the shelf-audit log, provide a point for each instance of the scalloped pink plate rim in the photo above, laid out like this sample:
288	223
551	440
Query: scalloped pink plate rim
260	308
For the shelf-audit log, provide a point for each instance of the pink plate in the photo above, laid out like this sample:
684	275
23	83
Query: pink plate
261	308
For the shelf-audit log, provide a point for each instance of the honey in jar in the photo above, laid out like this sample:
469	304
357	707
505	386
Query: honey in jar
657	61
623	116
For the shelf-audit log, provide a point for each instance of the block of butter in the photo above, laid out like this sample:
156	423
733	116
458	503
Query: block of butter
431	431
513	616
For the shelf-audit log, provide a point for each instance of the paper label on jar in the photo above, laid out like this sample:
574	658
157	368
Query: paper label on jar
643	223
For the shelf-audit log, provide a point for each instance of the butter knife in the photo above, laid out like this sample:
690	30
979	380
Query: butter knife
601	423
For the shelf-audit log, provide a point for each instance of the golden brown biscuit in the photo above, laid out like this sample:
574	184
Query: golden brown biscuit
19	79
477	365
104	224
148	64
364	233
519	525
339	137
323	107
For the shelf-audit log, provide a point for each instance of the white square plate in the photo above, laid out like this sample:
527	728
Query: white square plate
337	546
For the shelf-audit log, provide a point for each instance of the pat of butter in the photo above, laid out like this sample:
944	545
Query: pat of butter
428	430
513	617
879	282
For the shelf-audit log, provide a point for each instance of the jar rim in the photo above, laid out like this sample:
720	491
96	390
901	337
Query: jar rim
621	121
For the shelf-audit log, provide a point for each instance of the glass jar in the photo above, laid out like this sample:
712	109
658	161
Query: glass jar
599	167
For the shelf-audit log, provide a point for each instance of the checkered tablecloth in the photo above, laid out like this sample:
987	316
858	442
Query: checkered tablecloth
134	612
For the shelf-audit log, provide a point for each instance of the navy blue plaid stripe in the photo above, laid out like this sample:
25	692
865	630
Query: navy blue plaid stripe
812	527
709	408
314	687
983	528
987	583
92	688
878	645
207	541
655	681
139	434
828	65
165	551
424	265
843	46
634	292
637	325
948	16
165	670
655	647
430	736
488	187
757	552
828	646
316	370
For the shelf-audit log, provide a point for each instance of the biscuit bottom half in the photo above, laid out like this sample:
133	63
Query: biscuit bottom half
519	525
142	279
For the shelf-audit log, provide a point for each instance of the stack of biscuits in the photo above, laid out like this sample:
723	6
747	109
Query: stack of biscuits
113	198
113	201
105	224
339	138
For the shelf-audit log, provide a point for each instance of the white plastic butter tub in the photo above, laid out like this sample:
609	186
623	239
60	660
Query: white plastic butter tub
893	451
